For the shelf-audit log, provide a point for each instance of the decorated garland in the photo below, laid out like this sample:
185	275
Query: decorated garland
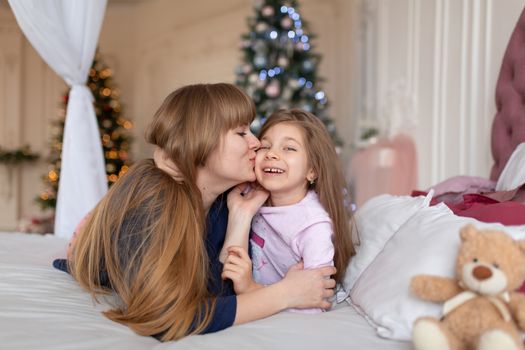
17	156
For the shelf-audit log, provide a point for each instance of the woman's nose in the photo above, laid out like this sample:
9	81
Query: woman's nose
254	142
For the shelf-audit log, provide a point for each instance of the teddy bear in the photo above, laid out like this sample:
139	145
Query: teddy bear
481	310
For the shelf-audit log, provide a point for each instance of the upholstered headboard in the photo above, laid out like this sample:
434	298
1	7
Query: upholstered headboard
508	127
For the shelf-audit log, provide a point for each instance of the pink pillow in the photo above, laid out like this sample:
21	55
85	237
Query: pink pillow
464	185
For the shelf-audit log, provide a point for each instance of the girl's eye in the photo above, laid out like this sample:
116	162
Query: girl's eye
242	133
290	149
264	147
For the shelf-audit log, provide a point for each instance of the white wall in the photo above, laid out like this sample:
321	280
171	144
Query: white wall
30	96
179	43
447	54
153	47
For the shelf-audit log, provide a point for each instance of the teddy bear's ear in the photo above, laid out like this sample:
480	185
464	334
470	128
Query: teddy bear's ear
468	232
521	245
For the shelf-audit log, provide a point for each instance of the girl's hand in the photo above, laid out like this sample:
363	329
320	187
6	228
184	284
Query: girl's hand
308	288
243	202
238	268
245	199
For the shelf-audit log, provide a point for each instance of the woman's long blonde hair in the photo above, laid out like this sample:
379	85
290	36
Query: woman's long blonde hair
329	185
148	233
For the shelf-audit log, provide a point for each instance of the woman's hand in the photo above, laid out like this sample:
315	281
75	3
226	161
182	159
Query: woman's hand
73	239
238	268
308	288
298	289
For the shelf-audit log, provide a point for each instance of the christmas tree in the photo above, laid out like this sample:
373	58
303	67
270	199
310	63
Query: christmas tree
114	132
279	68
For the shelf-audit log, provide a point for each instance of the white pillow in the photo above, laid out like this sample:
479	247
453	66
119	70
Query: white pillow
513	175
375	223
426	244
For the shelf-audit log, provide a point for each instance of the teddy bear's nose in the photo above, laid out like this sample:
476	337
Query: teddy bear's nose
482	273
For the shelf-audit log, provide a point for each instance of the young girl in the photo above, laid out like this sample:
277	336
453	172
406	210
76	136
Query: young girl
304	218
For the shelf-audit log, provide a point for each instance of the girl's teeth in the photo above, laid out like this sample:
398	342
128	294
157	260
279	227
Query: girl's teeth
273	170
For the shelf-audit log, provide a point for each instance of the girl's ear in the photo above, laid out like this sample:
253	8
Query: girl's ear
311	175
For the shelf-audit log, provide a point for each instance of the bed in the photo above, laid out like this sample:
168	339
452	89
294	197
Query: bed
397	237
43	308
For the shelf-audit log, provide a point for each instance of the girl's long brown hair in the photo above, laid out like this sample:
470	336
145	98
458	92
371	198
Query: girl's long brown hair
329	185
148	232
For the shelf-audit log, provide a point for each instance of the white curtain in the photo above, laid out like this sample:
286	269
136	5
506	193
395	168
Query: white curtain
65	33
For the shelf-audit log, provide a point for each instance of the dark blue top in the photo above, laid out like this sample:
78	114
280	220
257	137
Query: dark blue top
226	305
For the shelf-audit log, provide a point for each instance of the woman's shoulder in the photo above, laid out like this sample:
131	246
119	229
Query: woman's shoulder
219	208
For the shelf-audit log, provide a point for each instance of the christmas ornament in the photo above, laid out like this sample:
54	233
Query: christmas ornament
246	68
267	11
286	23
273	89
308	65
282	61
259	61
261	27
258	4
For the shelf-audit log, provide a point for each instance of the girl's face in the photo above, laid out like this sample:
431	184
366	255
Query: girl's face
282	164
233	161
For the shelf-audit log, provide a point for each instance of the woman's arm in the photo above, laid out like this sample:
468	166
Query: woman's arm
298	289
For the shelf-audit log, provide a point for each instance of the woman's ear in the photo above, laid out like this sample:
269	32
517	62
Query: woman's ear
164	163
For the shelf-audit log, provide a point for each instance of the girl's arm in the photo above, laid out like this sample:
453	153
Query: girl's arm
314	244
242	206
238	268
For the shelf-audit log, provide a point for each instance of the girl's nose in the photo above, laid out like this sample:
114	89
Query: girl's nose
271	155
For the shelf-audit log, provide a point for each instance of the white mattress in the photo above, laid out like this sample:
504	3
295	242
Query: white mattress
43	308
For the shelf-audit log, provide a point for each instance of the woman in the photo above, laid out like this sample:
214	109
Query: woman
155	238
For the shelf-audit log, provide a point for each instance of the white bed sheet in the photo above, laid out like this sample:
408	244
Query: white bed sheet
43	308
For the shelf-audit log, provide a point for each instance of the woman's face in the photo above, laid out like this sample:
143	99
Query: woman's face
234	159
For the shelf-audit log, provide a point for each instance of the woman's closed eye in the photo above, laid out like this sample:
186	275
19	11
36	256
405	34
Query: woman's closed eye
242	130
289	148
